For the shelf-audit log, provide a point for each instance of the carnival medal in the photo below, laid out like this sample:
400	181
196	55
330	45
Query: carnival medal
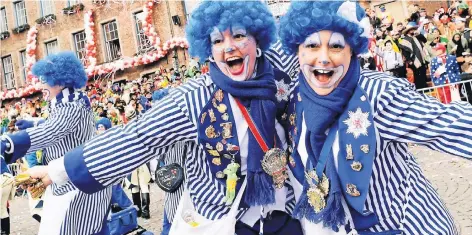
274	164
317	191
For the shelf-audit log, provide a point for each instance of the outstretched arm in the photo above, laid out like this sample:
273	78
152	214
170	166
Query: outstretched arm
404	115
107	158
63	121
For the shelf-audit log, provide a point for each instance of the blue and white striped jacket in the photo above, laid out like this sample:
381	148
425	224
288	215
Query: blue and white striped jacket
399	194
109	157
70	124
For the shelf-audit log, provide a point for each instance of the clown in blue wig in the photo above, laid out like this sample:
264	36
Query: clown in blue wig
245	168
349	131
70	124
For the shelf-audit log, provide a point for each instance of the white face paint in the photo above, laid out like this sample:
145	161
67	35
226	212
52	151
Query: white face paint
100	129
324	58
234	52
45	89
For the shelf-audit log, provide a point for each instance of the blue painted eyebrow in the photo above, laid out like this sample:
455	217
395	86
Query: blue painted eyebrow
337	38
313	39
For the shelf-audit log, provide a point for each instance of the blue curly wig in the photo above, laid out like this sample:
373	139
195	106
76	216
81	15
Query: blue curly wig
105	122
61	69
304	18
254	16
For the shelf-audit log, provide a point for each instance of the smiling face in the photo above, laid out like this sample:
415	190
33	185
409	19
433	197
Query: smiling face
234	51
324	59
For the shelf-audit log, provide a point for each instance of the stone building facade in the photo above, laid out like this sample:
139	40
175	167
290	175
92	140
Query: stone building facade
118	33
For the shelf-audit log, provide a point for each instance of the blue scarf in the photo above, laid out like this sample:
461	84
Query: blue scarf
258	95
320	113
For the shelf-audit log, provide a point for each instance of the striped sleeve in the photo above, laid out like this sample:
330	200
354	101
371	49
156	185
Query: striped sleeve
63	121
404	115
107	158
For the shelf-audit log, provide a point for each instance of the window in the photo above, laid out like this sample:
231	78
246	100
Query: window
79	42
3	20
8	72
20	13
151	76
144	45
73	2
112	42
23	63
51	47
47	7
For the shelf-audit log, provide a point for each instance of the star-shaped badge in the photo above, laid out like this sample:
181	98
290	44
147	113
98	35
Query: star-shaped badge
282	91
357	123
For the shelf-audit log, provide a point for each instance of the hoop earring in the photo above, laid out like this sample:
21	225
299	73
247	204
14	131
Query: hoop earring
211	59
258	52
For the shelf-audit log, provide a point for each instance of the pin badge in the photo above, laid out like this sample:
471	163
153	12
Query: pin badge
231	147
349	154
213	152
299	97
212	115
203	117
219	147
222	108
292	119
226	133
365	148
216	161
208	146
357	166
225	116
210	132
220	175
351	189
292	161
219	95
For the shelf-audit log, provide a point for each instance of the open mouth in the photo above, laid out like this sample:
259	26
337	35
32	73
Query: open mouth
323	77
235	65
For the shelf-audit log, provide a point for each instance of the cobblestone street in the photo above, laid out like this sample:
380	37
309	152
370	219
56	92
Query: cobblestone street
451	176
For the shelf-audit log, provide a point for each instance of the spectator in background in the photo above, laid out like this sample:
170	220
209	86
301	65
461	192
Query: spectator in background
374	20
423	14
367	60
460	25
412	50
7	191
393	61
444	70
457	46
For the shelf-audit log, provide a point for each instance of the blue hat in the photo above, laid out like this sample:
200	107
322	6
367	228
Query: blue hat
105	122
159	94
61	69
307	17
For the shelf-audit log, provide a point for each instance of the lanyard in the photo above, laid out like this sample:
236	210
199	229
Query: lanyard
325	151
252	126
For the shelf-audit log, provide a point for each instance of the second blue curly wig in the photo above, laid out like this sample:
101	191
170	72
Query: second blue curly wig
306	17
61	69
253	15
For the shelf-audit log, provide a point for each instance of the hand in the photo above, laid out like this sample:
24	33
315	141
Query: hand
40	172
24	124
